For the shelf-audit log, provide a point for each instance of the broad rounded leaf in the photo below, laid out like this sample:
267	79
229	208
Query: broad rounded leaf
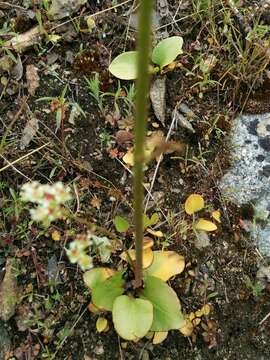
159	337
96	276
205	225
121	224
167	308
165	265
105	293
167	50
194	203
132	317
124	66
101	324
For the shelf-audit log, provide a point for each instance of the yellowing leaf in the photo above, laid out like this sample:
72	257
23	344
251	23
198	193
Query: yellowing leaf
187	329
216	215
205	225
159	337
129	158
148	256
194	203
94	309
101	324
97	275
56	236
165	265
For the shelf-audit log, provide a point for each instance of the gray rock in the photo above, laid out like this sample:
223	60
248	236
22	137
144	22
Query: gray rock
248	179
5	342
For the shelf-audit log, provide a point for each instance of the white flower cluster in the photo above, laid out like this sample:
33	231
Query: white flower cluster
49	198
77	251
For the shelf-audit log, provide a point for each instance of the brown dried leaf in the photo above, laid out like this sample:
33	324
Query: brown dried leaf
29	132
32	79
8	293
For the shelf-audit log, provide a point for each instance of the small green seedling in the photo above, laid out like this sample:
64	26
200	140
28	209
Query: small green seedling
124	66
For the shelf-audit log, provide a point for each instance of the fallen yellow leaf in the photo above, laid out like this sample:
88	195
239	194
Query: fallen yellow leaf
128	158
159	337
205	225
56	236
206	309
194	203
216	215
155	233
101	324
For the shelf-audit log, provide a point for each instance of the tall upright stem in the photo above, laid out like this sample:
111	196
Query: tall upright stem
142	89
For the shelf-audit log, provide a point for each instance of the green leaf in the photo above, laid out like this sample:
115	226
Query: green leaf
96	276
167	308
121	224
132	317
167	50
124	66
105	293
150	221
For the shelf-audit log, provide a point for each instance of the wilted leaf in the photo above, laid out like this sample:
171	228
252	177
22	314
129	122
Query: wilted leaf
105	293
90	23
32	79
123	136
216	215
132	317
187	328
194	203
205	225
159	337
96	276
165	265
124	66
167	50
167	308
101	324
95	202
121	224
8	293
29	132
17	70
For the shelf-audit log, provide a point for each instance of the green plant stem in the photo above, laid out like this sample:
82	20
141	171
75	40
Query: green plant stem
144	43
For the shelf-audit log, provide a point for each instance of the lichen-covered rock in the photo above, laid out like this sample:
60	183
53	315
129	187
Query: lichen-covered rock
248	179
